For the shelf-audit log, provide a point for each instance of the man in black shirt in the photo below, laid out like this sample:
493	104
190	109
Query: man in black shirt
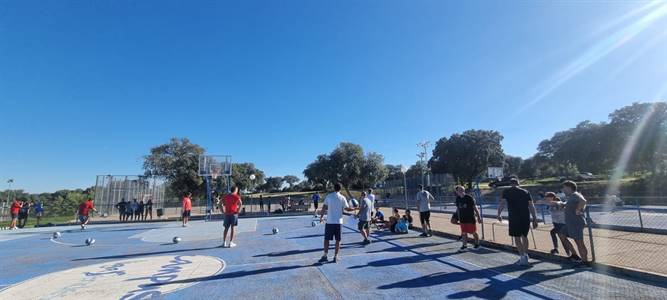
467	212
519	209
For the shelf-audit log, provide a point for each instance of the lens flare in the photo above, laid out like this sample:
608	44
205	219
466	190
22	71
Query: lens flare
597	52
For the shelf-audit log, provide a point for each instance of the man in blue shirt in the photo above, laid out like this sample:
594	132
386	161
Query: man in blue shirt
39	212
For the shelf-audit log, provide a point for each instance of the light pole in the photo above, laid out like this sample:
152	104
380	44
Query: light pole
423	157
252	184
405	185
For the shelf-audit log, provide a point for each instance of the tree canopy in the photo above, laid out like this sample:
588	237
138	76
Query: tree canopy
177	162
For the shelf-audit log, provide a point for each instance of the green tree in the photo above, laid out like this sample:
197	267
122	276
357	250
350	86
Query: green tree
273	184
241	175
467	155
347	165
291	180
394	172
512	165
177	162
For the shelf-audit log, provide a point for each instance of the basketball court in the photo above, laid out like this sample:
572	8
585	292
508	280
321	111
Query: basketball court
131	261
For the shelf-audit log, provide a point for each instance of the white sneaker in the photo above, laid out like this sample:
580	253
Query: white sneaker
524	260
232	245
520	261
224	245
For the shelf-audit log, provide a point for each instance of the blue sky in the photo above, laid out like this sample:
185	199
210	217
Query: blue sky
87	87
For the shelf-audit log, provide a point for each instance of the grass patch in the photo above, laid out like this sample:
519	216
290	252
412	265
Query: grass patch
45	220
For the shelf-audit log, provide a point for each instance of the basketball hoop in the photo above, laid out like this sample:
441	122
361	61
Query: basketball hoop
215	175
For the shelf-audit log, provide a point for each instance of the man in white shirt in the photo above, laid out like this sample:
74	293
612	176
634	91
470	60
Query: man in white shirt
371	196
423	204
334	205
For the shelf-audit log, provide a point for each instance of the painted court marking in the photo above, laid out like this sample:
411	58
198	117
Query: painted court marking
135	278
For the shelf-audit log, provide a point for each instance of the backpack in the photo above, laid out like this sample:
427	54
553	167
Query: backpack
402	226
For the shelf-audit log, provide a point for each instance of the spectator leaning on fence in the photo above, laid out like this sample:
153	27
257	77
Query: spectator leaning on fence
557	210
575	221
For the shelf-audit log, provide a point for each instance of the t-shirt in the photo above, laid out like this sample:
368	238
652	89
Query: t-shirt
316	198
39	208
16	207
423	201
365	209
371	197
335	203
557	214
85	207
187	203
379	215
517	204
149	205
231	202
466	209
25	208
571	205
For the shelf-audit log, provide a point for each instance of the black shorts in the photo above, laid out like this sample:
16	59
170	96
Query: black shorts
519	228
362	225
332	231
425	216
23	216
186	213
230	220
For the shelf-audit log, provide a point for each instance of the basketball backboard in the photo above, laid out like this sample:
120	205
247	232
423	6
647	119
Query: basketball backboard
215	165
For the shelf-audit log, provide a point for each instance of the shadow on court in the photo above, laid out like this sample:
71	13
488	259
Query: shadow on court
145	254
495	289
297	252
237	274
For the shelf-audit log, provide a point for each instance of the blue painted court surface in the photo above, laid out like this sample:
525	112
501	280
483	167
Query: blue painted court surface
135	261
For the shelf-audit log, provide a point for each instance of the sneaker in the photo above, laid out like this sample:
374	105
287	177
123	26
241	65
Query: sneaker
224	245
463	249
323	259
520	261
366	242
554	251
336	259
575	259
423	234
525	259
476	246
232	245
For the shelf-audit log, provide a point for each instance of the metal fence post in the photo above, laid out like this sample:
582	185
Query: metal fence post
589	221
481	215
544	220
639	212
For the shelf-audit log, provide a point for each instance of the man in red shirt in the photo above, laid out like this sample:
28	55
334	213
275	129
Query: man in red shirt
83	211
232	203
14	210
187	208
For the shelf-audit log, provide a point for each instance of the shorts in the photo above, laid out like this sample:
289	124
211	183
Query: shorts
560	228
425	216
186	213
14	215
519	228
230	220
362	225
332	231
575	231
468	228
23	215
39	214
83	219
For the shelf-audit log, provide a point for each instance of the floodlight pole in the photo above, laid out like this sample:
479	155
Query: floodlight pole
209	206
405	185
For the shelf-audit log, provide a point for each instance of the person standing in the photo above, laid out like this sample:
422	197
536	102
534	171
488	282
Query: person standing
424	199
135	210
371	197
149	209
261	203
365	214
556	208
334	205
467	213
23	213
140	211
575	221
187	208
39	212
316	201
128	211
83	212
519	209
14	211
231	203
121	209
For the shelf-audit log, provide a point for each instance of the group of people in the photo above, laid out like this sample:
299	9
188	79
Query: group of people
134	210
20	210
568	219
230	205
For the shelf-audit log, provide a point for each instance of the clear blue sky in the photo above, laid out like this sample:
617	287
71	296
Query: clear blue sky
87	87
